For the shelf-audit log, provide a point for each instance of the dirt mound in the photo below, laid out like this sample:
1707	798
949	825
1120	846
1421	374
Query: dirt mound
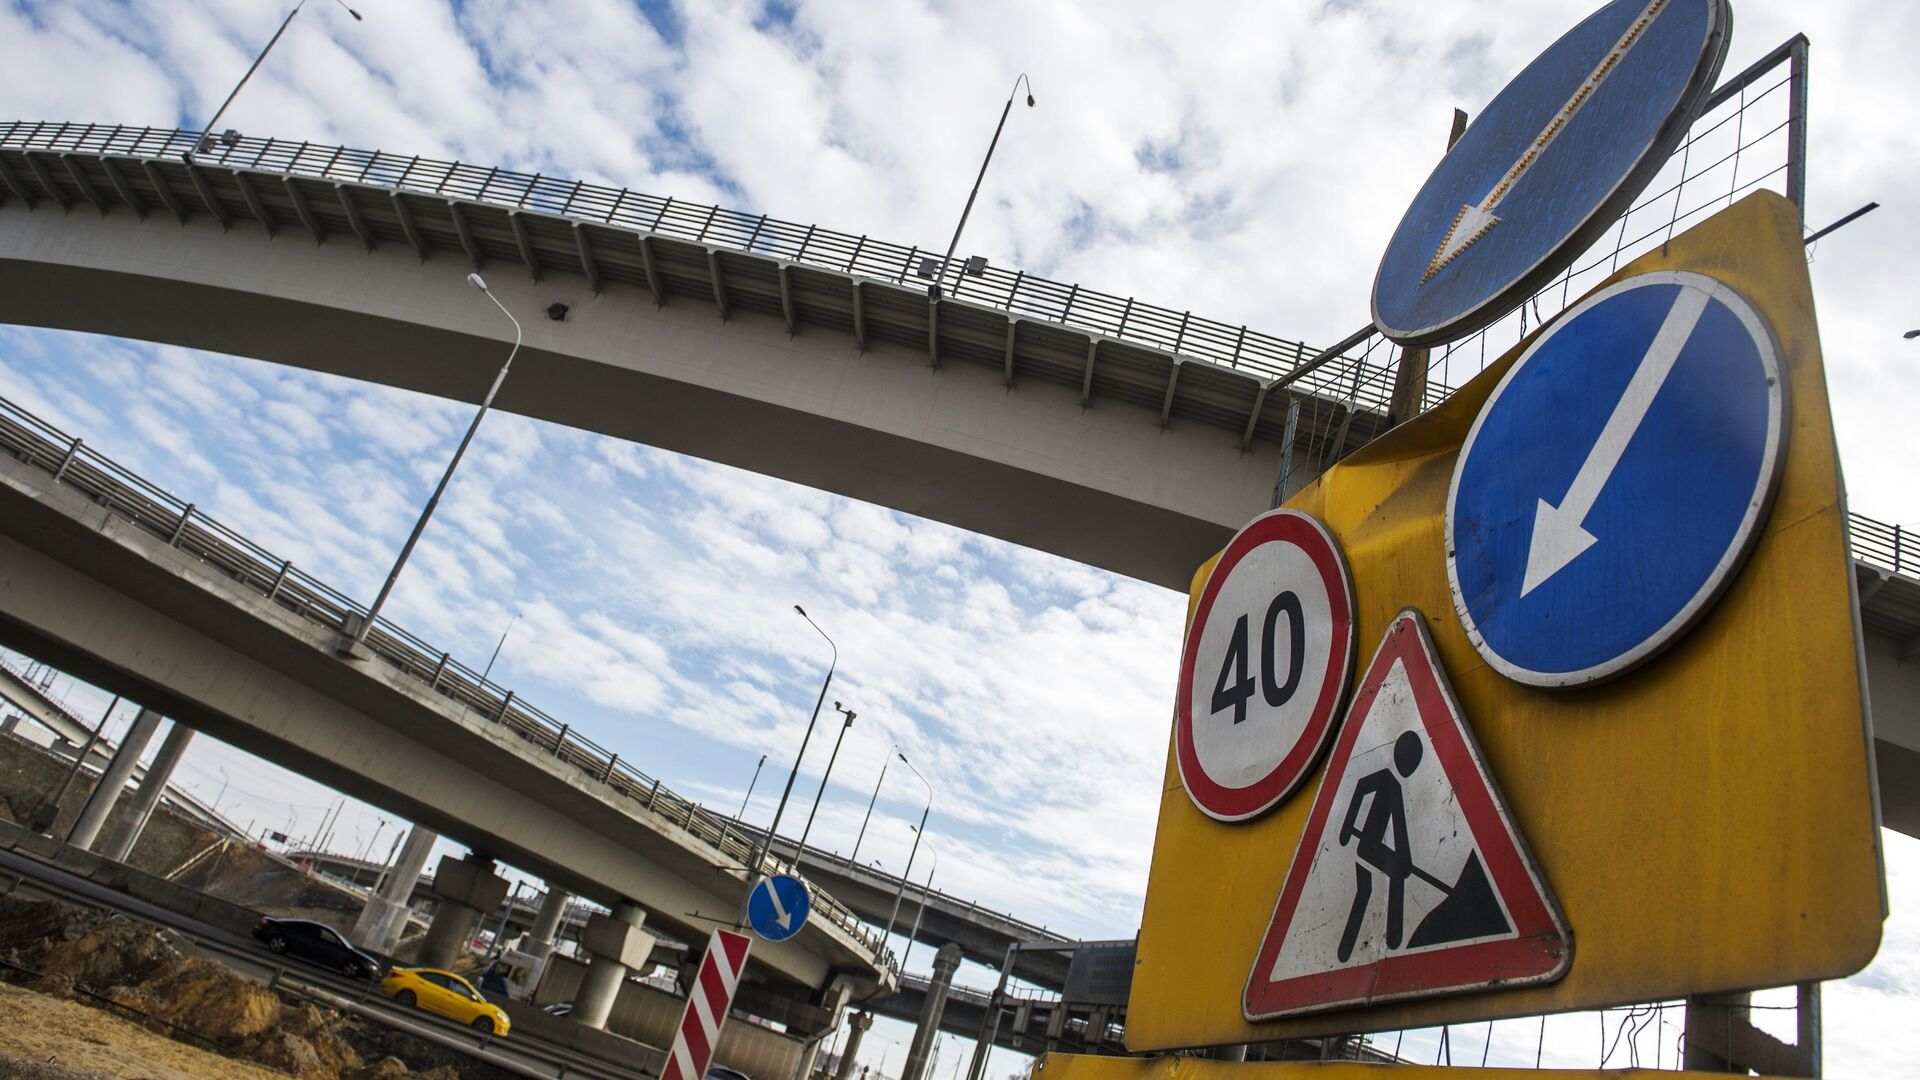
87	955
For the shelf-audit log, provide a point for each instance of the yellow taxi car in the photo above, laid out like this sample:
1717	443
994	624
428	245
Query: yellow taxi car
445	993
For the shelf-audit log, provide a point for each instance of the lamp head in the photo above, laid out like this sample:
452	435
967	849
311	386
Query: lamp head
1911	334
1029	101
801	610
478	282
901	756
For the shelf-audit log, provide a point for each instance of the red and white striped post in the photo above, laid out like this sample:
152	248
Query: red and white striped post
707	1005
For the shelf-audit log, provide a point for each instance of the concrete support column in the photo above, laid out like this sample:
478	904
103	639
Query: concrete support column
546	924
617	945
835	1000
126	832
467	888
384	918
945	963
857	1026
93	816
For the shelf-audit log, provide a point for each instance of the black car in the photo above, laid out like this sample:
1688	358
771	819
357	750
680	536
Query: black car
317	943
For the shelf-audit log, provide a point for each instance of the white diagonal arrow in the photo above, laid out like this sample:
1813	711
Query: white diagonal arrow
1476	221
1559	532
779	910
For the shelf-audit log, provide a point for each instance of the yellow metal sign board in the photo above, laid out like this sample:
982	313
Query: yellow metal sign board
1704	816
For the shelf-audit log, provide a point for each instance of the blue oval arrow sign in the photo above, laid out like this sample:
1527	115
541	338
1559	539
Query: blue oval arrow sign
1550	163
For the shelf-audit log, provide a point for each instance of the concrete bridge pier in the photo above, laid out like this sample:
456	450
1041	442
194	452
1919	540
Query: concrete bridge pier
618	946
466	888
385	916
93	815
857	1026
133	821
546	923
945	963
835	1000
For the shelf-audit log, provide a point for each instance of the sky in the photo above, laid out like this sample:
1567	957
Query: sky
1244	161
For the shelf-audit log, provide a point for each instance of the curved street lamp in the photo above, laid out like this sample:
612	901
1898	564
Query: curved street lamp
205	141
366	626
901	892
933	290
892	750
926	891
822	793
766	842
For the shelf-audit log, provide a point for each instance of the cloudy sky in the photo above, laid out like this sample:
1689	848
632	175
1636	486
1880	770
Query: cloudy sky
1244	161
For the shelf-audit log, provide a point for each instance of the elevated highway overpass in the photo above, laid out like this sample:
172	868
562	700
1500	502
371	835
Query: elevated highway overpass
104	576
1103	429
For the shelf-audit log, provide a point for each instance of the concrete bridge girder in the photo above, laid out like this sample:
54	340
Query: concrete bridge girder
97	596
1098	471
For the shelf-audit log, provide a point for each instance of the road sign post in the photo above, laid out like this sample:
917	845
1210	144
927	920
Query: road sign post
778	906
1265	667
1410	879
698	1033
1548	165
1706	819
1617	479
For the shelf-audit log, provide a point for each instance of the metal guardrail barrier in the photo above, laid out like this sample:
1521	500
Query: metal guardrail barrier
135	500
1757	112
1123	318
1883	546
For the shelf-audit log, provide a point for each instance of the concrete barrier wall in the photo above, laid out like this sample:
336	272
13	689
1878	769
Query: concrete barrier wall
650	1016
152	888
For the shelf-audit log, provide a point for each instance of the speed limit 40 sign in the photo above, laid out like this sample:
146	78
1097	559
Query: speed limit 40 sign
1266	665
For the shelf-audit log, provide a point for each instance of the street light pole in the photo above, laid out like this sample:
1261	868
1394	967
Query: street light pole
201	142
49	811
901	892
831	758
760	857
925	892
497	647
366	626
892	750
750	787
933	291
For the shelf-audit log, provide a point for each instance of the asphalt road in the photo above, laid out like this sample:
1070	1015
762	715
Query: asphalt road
524	1056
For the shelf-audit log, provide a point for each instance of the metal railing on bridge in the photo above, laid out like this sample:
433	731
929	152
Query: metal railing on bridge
157	512
1361	381
1883	546
1752	132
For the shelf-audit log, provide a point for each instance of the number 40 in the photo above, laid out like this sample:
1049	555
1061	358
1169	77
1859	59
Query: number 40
1235	686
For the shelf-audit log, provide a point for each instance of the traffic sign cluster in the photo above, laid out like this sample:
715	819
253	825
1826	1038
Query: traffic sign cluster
1606	497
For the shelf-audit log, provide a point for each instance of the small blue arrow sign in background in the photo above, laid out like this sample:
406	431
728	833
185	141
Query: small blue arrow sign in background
1611	487
1547	165
778	907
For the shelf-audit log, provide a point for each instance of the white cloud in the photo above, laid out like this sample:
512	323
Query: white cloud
1244	160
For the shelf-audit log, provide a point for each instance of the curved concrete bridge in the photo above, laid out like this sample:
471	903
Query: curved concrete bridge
1108	431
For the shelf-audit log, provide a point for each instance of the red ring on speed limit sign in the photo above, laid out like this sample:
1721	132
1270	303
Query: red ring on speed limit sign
1265	668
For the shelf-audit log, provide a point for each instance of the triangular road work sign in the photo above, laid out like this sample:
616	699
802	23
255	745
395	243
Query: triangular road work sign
1410	879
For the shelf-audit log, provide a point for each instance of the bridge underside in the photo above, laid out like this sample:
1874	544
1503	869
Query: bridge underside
1093	448
93	594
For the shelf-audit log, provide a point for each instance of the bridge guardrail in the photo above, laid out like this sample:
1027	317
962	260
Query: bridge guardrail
1365	380
139	502
1884	546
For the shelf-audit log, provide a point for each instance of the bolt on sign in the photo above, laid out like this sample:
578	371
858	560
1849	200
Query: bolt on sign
1625	763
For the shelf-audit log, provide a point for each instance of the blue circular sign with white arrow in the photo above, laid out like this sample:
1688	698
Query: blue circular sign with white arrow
1548	165
1617	478
778	906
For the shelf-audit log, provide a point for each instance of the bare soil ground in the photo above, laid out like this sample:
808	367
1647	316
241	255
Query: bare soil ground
86	1042
118	994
